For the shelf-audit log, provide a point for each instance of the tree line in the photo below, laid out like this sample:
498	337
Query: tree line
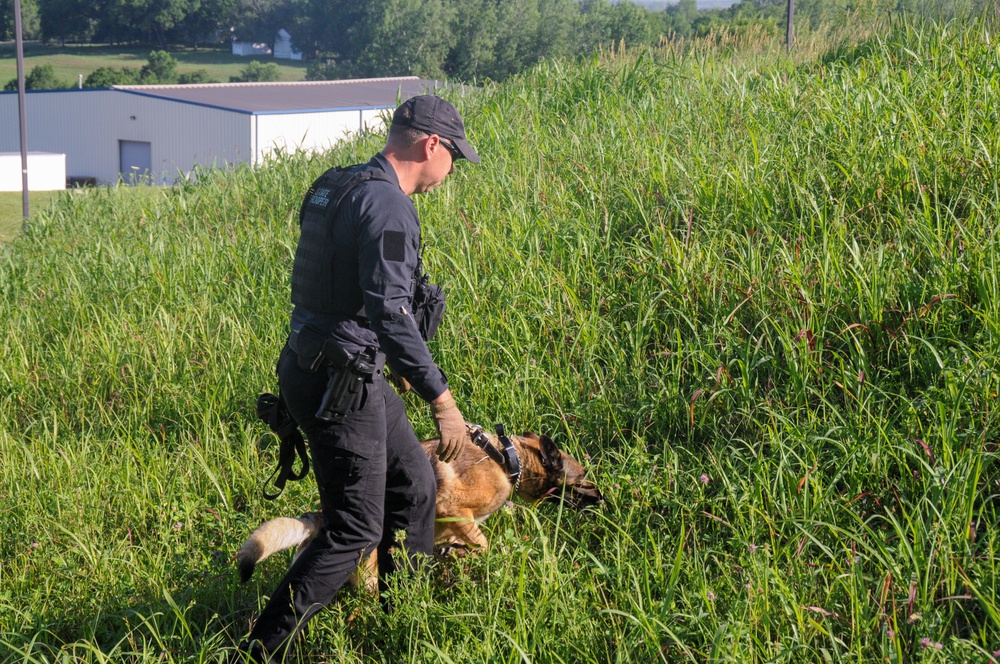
160	69
460	39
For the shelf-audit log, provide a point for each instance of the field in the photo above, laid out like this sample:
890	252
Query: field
72	60
759	297
12	210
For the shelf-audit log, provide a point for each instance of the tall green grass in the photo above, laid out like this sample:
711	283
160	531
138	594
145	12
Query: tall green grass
757	296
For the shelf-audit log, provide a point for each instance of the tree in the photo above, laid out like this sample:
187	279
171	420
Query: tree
332	33
557	24
256	72
404	37
30	20
42	77
69	20
678	18
517	23
632	24
158	17
105	77
260	20
160	68
196	76
475	31
208	22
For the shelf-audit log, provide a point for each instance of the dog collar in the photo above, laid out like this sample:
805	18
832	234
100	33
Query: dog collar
508	459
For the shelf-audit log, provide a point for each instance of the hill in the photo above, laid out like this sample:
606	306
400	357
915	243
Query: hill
757	296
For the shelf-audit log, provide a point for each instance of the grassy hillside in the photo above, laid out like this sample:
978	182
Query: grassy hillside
71	61
758	298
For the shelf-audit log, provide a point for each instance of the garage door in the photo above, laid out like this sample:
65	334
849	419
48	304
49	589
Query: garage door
136	162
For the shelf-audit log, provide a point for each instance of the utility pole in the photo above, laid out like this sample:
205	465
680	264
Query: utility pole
21	112
790	29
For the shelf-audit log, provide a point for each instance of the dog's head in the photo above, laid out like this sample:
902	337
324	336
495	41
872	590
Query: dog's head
548	472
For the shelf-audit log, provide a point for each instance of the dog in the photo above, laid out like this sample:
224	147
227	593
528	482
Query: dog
470	488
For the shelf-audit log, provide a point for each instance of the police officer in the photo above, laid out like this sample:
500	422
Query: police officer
355	269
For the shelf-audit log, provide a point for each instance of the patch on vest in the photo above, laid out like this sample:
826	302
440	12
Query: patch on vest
394	246
321	198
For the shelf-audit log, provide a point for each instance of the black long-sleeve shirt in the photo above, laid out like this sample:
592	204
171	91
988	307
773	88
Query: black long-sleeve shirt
374	252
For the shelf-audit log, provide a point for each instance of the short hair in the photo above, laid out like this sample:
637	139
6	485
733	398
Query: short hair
404	137
401	135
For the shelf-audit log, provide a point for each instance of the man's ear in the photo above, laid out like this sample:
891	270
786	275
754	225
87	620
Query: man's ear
430	145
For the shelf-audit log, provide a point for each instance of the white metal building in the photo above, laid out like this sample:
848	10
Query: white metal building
160	133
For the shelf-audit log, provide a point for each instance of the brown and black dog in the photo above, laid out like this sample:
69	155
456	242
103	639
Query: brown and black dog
469	488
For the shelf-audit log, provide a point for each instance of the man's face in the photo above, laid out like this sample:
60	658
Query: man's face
439	164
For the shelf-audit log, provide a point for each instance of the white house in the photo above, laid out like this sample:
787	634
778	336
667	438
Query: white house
250	48
283	46
159	133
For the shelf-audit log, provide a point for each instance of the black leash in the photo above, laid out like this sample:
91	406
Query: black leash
273	412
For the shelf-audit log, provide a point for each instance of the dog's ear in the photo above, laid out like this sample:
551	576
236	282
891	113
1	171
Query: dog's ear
551	456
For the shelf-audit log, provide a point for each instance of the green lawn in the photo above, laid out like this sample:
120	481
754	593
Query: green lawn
71	61
11	210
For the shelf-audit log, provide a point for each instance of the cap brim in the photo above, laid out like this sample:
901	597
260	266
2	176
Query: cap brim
466	150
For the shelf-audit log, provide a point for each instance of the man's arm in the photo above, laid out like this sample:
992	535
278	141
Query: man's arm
388	247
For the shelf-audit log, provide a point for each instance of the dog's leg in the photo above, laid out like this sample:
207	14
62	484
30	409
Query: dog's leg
366	574
458	535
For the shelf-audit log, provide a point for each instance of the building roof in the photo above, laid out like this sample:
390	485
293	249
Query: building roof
292	97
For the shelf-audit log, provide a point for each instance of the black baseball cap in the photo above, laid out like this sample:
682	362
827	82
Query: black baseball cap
433	115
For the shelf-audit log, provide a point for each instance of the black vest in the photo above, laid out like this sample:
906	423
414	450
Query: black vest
313	270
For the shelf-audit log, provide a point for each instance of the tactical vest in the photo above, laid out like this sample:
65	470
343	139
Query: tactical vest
312	271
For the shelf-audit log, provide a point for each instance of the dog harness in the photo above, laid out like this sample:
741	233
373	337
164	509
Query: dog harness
508	459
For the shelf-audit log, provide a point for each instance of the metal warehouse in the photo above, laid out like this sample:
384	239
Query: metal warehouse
160	133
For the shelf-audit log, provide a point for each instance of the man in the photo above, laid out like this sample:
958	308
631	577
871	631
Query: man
356	267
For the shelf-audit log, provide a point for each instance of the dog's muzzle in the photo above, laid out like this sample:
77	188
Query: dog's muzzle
585	495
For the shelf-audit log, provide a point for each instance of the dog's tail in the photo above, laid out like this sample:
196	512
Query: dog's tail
276	535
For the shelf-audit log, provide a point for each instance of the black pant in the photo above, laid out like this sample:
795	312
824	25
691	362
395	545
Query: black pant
374	481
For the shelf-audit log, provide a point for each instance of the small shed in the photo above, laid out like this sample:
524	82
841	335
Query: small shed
160	133
46	171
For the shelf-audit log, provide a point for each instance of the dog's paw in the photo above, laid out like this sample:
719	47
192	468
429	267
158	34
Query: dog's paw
453	550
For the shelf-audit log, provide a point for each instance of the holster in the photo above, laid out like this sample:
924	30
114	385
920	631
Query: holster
314	349
345	386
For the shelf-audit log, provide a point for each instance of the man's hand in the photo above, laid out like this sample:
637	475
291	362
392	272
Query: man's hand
451	427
